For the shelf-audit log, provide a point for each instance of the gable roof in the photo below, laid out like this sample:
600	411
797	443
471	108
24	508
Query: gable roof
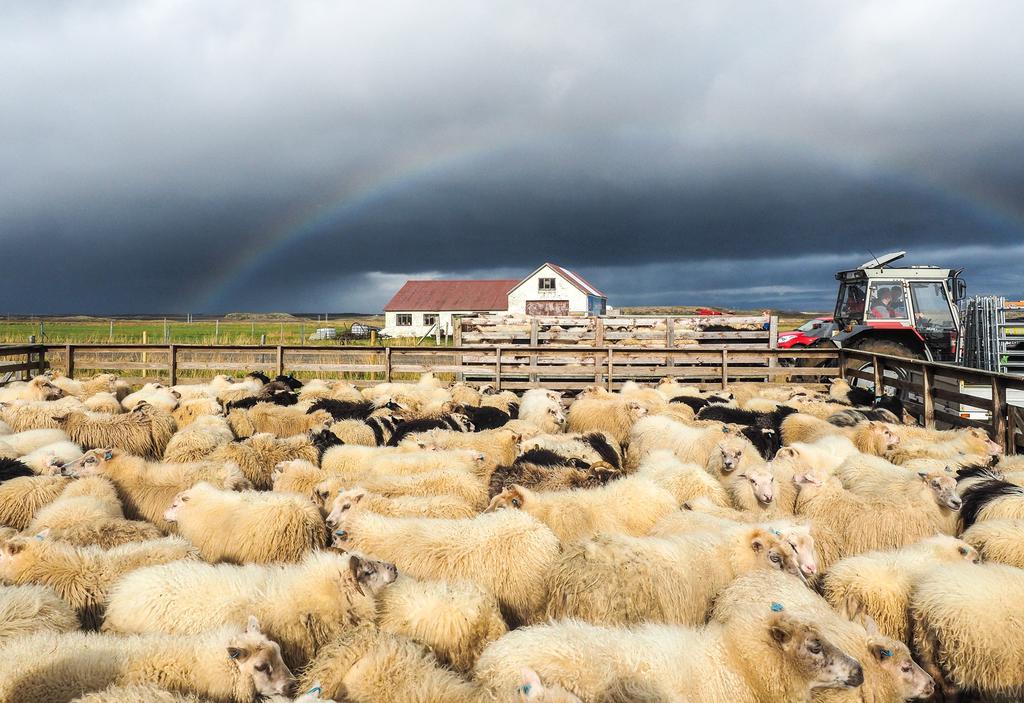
435	296
573	278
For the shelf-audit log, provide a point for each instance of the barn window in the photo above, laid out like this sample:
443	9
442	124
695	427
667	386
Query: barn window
404	320
545	284
429	319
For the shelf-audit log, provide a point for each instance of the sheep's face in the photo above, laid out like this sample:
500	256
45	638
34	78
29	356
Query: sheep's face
343	503
556	416
943	488
883	437
730	456
762	483
371	576
172	513
894	657
775	552
531	690
89	464
799	538
260	658
967	552
635	410
17	551
513	497
978	442
44	390
819	661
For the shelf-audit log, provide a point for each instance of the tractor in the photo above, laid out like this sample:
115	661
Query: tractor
910	312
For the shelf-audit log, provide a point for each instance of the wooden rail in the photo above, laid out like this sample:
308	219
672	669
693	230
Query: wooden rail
513	367
21	362
932	390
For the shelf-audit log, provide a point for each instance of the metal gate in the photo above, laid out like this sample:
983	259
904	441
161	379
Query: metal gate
993	335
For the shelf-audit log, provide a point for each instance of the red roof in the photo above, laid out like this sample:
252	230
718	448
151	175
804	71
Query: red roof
435	296
577	280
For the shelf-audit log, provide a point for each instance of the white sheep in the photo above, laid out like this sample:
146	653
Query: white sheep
247	526
507	552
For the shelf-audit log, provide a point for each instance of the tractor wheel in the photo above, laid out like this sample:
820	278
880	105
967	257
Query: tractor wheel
880	346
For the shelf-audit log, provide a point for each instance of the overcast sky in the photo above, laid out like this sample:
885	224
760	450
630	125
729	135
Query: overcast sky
173	156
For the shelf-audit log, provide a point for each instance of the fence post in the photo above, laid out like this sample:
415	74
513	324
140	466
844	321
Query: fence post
69	354
534	342
878	369
670	339
928	394
773	344
609	368
280	360
42	359
497	367
172	357
999	412
725	369
387	364
842	363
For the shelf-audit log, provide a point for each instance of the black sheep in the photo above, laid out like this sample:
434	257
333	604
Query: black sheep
767	441
458	423
259	375
485	417
290	381
12	468
976	497
324	440
608	453
350	409
735	416
696	404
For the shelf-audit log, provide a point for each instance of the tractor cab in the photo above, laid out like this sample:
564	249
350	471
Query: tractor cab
908	311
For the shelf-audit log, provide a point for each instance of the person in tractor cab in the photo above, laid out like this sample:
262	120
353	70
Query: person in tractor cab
883	307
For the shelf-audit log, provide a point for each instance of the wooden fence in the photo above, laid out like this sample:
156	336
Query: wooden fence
643	331
932	390
21	362
507	367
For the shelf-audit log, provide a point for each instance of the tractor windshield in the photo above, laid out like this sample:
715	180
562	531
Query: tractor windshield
931	306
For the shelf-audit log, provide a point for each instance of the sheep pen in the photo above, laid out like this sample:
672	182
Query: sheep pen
273	539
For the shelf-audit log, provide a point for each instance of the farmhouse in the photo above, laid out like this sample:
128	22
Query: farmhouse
549	290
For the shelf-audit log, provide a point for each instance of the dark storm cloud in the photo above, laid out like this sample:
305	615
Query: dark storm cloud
311	155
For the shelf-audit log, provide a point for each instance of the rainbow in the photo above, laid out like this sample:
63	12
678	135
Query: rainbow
372	188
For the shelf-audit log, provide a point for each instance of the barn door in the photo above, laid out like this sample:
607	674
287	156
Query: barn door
547	307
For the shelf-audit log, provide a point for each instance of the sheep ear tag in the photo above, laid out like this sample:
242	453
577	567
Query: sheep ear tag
886	653
107	456
777	607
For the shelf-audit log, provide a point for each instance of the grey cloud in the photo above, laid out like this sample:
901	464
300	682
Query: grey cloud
672	152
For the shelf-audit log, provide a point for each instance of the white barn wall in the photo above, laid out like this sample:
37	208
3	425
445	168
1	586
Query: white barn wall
528	290
418	328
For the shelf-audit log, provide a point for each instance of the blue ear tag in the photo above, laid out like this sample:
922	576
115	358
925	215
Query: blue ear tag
233	655
886	652
777	607
315	689
340	533
108	456
776	533
725	429
525	689
39	537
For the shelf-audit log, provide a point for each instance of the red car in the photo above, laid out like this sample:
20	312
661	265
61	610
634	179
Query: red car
806	334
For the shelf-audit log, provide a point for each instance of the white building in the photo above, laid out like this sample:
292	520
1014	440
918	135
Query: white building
550	290
554	290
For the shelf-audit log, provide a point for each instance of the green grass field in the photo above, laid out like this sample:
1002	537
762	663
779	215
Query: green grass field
101	331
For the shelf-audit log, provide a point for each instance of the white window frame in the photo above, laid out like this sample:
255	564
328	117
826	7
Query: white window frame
542	281
403	319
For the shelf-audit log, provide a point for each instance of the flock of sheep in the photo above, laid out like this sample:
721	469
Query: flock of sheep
250	539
